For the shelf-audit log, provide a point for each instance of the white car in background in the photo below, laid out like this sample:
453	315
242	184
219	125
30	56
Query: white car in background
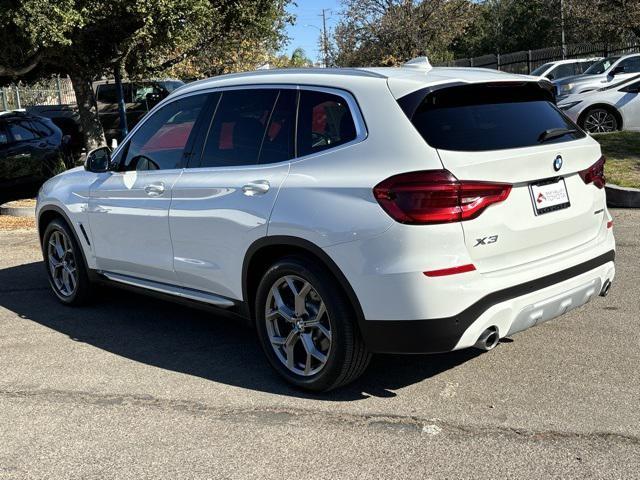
344	211
564	68
611	108
602	73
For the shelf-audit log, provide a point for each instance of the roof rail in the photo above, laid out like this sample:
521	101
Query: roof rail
419	62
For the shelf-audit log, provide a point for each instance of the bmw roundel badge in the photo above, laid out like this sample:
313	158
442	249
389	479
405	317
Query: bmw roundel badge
557	163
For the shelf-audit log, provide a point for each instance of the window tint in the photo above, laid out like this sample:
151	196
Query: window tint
479	118
561	71
238	128
160	142
541	69
600	66
278	143
324	121
4	138
631	65
42	129
106	93
22	131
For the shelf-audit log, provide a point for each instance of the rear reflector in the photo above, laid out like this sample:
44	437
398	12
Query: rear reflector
594	174
610	224
436	196
450	271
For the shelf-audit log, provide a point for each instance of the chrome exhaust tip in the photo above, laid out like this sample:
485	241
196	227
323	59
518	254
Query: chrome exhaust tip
605	288
488	339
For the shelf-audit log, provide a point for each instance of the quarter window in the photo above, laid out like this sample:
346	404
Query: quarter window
324	121
160	142
239	128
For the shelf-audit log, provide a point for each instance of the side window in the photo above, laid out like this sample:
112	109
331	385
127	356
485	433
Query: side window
278	144
42	129
564	70
141	90
160	141
631	65
324	121
4	138
106	93
22	131
238	128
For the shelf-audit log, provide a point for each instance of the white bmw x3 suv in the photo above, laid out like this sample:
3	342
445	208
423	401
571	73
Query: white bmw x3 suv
345	211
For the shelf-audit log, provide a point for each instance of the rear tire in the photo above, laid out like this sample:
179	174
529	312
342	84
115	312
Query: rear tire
314	342
66	270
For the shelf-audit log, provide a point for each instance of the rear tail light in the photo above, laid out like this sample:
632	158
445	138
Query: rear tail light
436	196
450	271
594	174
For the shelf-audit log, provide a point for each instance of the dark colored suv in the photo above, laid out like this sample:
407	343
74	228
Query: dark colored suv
32	149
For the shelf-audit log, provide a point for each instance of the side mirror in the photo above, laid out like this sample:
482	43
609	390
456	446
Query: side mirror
98	160
617	71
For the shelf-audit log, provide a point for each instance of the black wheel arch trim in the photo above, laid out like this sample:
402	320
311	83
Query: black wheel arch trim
59	211
313	249
442	334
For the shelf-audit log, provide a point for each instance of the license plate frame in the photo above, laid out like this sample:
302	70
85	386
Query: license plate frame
546	186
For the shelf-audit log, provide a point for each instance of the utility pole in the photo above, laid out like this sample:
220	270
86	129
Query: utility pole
324	37
564	43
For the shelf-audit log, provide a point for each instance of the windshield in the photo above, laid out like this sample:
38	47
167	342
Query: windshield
601	66
540	70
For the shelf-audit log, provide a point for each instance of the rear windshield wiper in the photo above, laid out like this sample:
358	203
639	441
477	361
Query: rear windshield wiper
555	133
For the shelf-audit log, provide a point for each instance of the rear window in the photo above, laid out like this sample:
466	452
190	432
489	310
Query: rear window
486	117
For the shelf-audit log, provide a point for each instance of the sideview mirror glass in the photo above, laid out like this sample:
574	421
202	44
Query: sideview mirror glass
98	160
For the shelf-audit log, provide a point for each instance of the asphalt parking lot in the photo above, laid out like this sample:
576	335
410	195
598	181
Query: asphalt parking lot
133	387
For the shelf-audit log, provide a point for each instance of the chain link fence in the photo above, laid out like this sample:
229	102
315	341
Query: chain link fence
526	61
55	91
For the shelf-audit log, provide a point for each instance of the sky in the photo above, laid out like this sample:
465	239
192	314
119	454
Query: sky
308	13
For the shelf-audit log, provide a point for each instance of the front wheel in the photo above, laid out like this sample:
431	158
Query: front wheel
307	327
599	120
63	259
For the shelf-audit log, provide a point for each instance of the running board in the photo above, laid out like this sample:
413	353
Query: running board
182	292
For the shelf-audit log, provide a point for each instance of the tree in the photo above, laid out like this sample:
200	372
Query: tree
603	20
389	32
87	39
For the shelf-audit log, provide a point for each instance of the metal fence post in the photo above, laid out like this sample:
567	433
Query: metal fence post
4	99
529	62
471	62
59	86
18	106
498	60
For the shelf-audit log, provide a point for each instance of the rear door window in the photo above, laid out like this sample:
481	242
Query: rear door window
486	117
239	127
324	121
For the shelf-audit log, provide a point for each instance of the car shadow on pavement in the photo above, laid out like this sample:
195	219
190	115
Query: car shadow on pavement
175	337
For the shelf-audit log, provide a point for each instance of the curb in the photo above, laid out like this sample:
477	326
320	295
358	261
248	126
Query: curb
622	197
17	211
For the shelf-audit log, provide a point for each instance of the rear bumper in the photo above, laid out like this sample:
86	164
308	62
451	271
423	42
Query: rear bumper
511	309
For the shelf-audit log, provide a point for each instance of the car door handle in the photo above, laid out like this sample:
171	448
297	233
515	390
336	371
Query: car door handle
154	189
259	187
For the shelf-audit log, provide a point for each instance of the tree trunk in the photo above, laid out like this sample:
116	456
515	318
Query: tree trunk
89	120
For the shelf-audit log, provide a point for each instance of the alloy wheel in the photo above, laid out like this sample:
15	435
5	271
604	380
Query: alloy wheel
600	121
298	325
62	263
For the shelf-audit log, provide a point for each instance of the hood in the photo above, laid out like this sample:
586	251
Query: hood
578	79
